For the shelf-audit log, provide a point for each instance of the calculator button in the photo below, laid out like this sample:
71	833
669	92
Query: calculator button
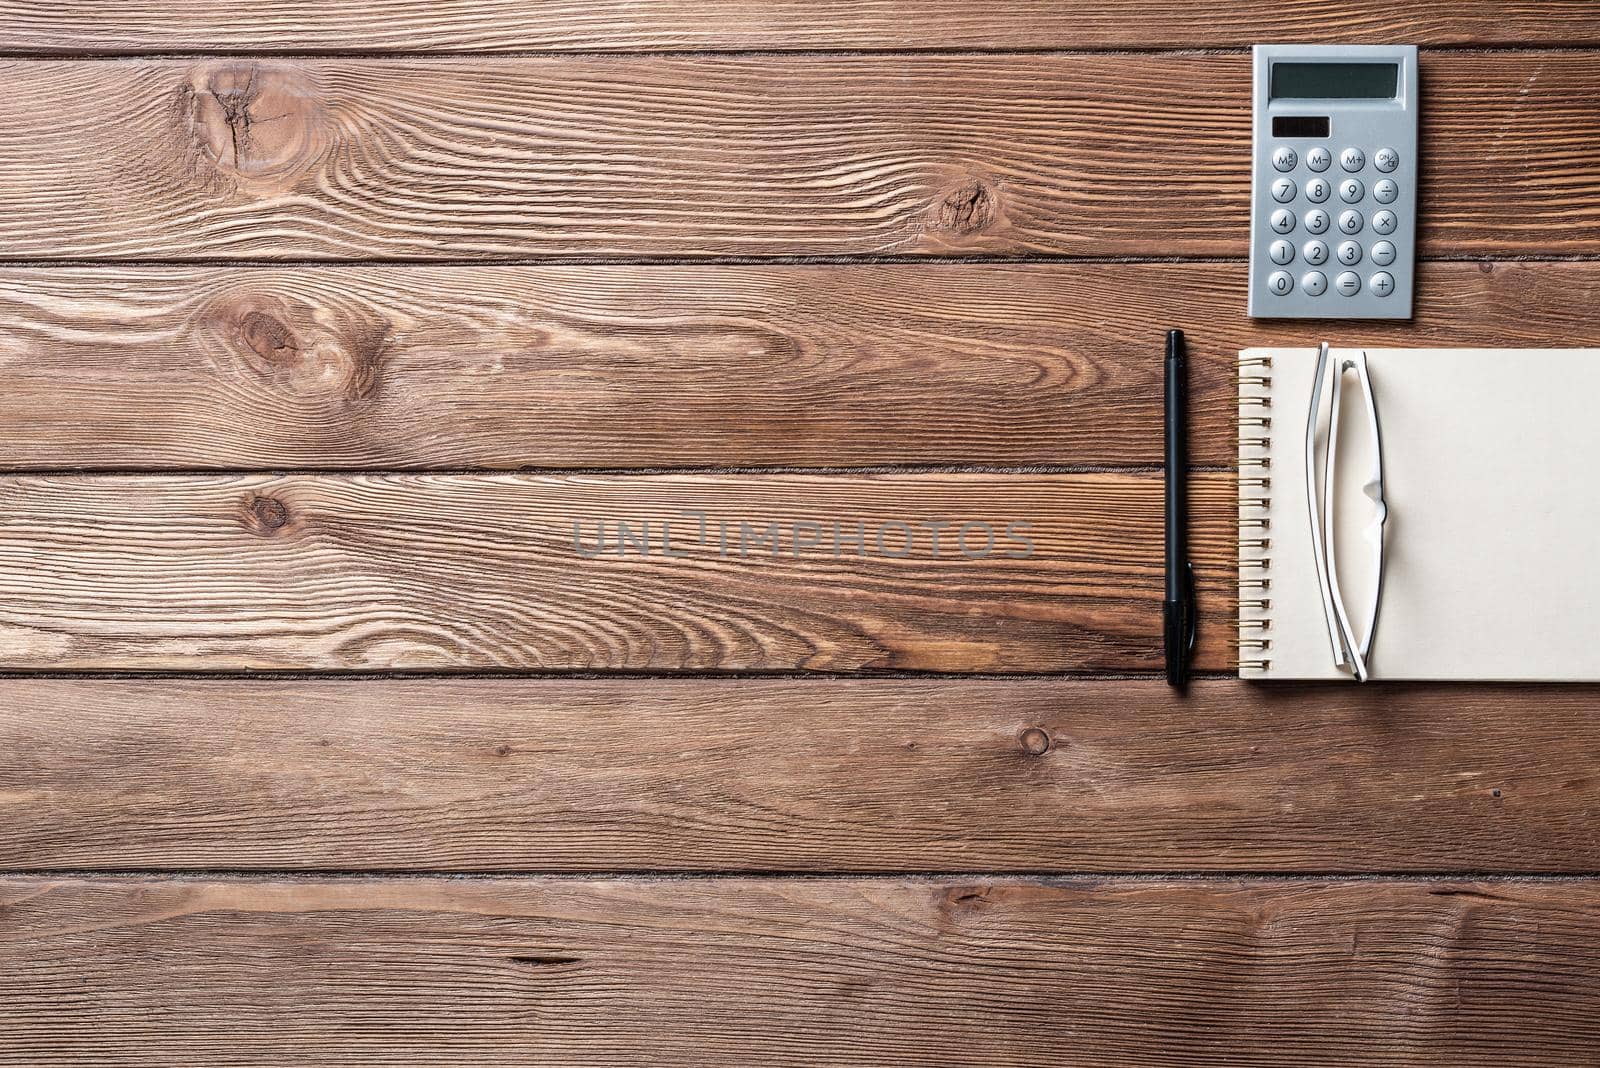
1285	158
1383	222
1318	158
1352	159
1386	159
1317	221
1283	190
1381	283
1317	190
1351	222
1351	190
1281	252
1349	253
1315	252
1282	221
1384	192
1348	284
1280	283
1314	283
1383	253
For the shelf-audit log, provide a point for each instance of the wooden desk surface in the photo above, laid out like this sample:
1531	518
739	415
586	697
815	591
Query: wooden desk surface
336	341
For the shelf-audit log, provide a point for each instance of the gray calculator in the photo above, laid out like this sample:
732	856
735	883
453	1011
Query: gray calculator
1333	198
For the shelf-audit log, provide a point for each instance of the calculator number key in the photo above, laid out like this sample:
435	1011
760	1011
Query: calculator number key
1316	221
1349	253
1283	190
1351	222
1315	252
1283	221
1280	283
1317	190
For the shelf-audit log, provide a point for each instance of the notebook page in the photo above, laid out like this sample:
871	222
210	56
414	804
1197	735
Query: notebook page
1492	477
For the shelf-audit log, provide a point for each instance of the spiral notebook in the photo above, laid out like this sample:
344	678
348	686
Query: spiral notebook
1419	514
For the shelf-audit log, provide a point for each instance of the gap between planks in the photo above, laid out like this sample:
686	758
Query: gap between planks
1037	876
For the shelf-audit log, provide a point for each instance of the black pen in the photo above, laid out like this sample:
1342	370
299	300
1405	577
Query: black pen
1178	608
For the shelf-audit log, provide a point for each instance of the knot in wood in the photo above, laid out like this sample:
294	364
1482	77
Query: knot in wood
261	125
300	348
1035	742
968	209
265	515
269	337
966	897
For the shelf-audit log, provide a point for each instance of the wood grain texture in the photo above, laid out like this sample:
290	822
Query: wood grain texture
807	775
123	26
1078	155
667	367
501	571
996	973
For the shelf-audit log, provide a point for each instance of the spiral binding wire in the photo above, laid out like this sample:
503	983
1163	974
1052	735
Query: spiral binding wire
1255	506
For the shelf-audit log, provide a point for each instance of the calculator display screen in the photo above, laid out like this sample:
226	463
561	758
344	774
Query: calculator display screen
1299	126
1335	81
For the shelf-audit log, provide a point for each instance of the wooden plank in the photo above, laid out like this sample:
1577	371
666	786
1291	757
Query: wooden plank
124	26
794	775
661	367
982	972
1078	155
500	571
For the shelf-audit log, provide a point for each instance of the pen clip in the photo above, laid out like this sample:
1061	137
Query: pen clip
1191	610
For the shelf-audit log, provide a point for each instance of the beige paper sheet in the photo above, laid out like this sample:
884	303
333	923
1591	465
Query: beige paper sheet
1492	477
